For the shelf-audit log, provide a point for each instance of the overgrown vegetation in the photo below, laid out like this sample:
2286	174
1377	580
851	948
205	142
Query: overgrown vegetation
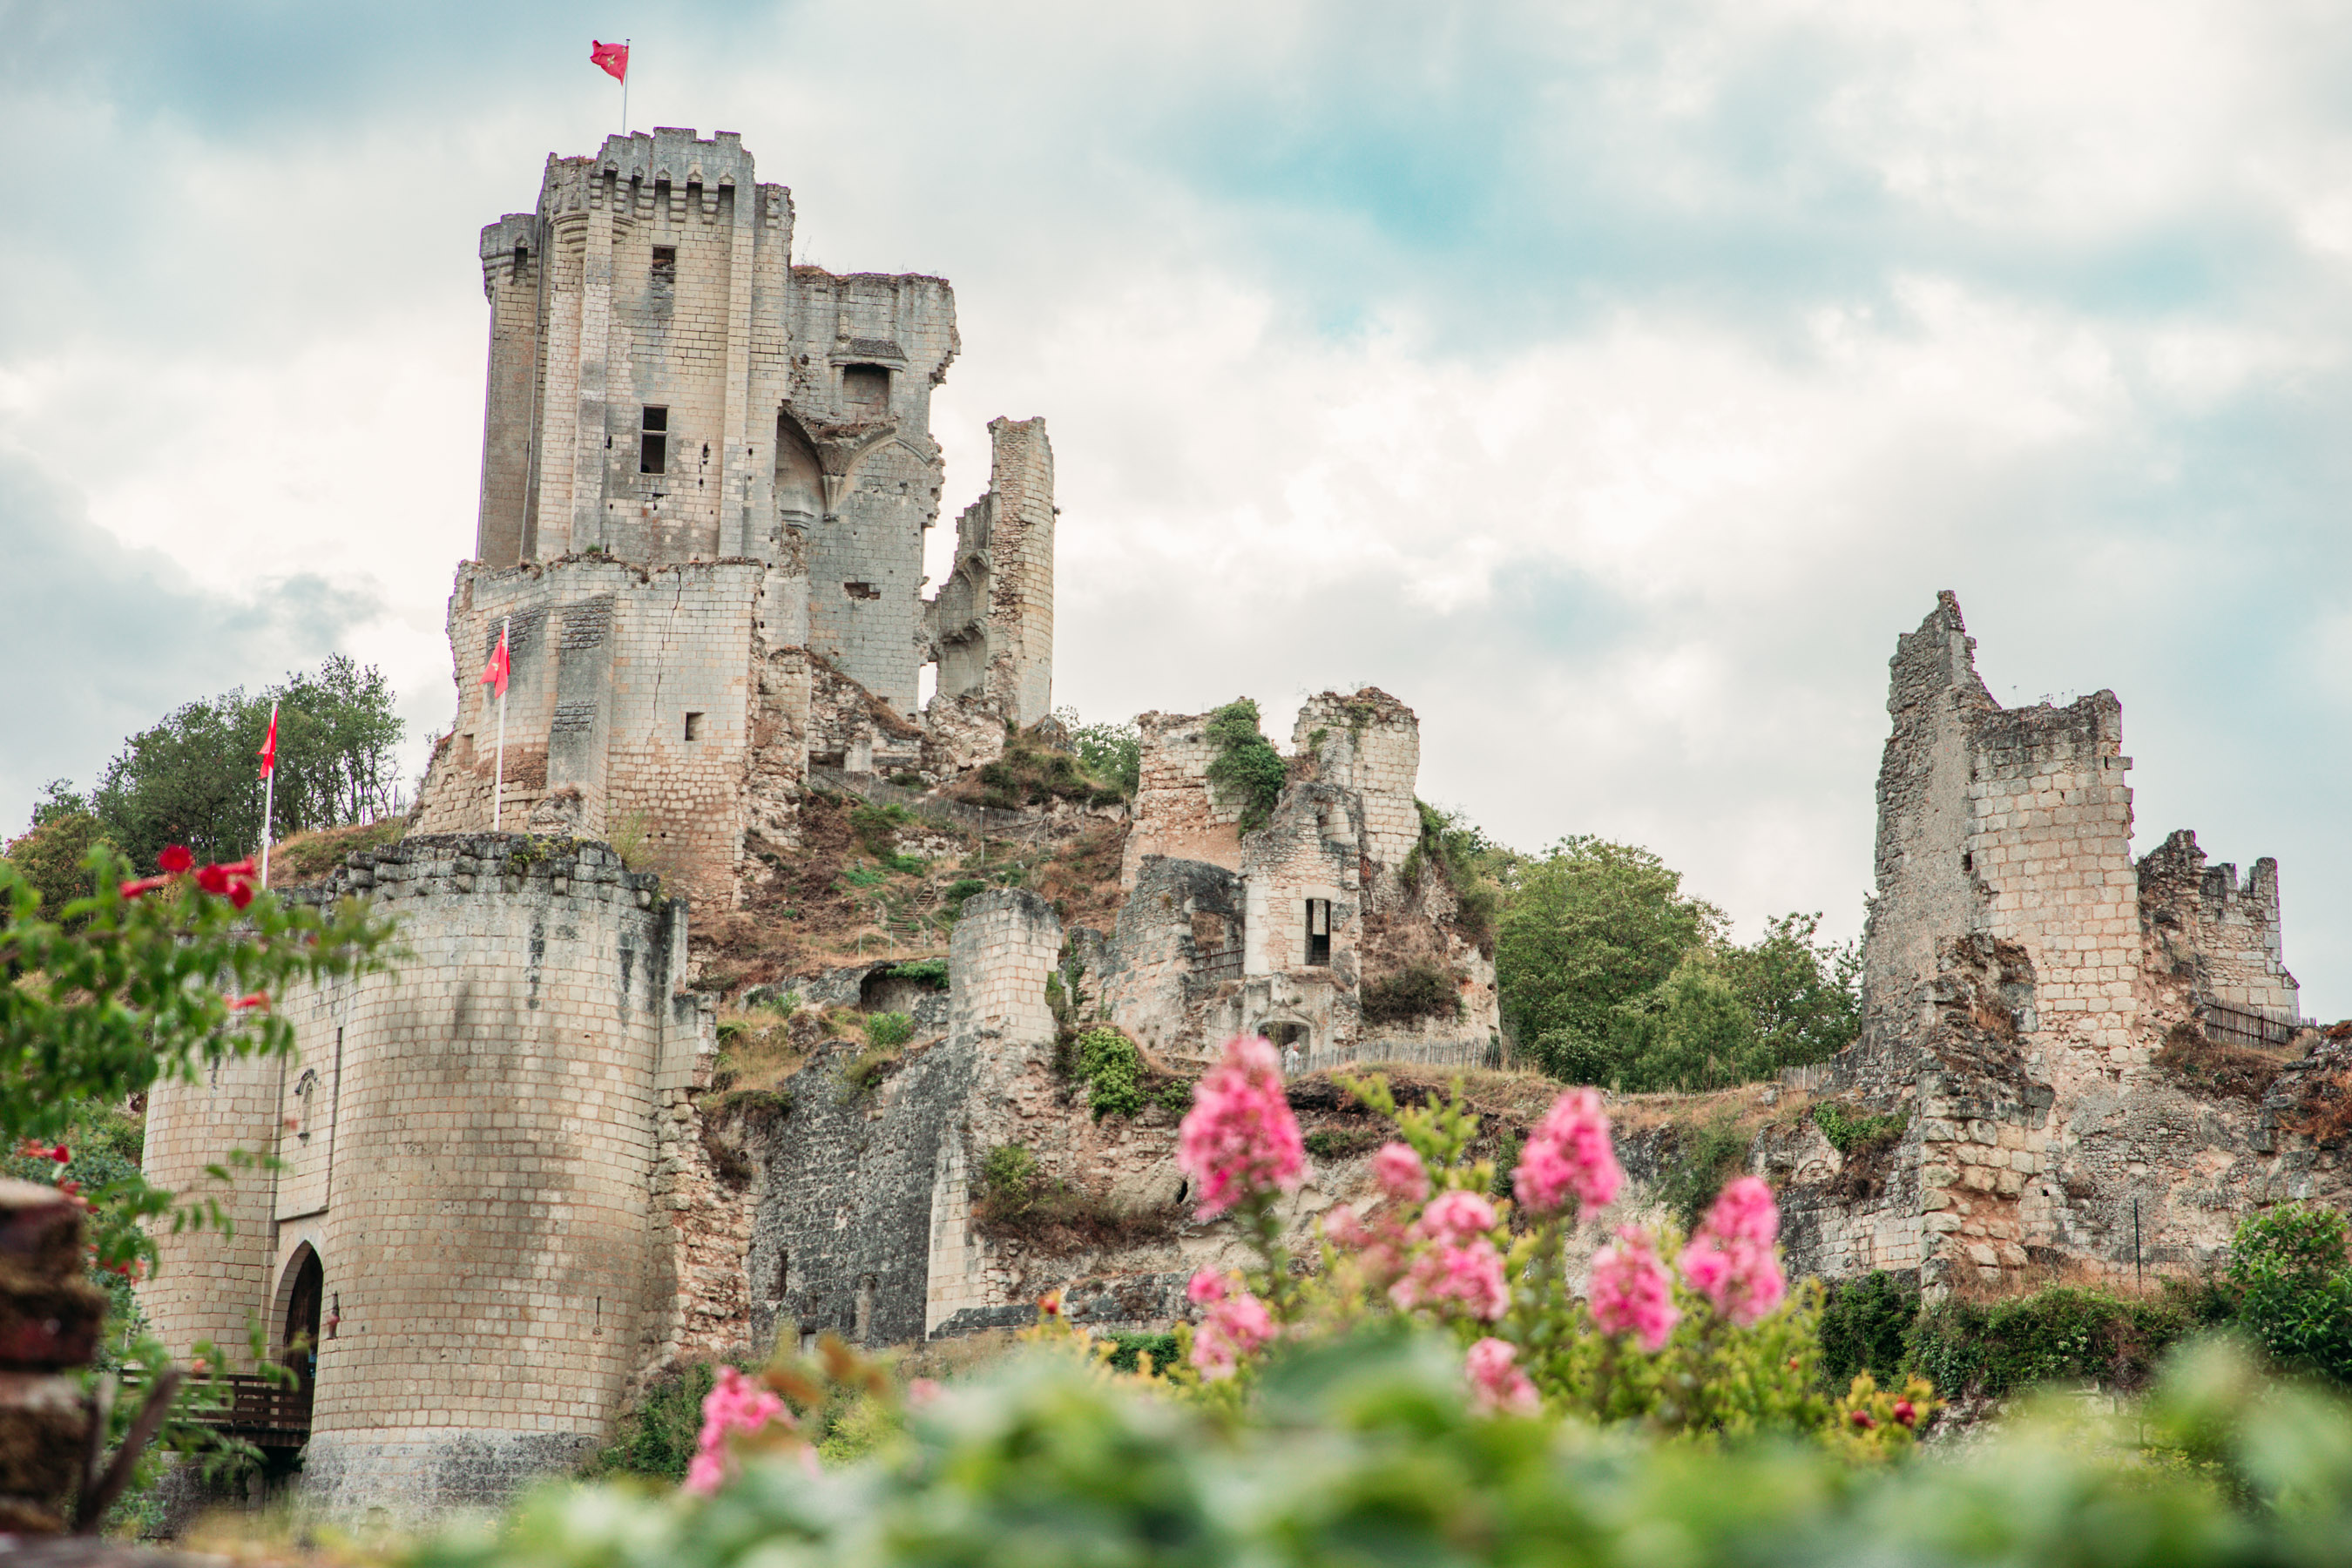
1247	774
1420	990
2294	1290
931	972
1111	752
877	828
1112	1069
1018	1201
1866	1327
1344	1142
2063	1331
2212	1067
1033	771
1702	1156
1850	1132
1466	858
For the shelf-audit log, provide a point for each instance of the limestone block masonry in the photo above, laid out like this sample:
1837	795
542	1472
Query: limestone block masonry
470	1153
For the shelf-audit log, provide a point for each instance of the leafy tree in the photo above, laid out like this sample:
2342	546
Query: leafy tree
2294	1289
1804	993
1587	926
194	779
50	855
1691	1034
1111	752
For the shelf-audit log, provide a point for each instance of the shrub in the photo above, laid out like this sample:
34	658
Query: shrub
1017	1201
2063	1332
1701	1157
1416	992
2193	1058
1247	772
931	972
888	1031
1127	1351
1850	1132
655	1437
1866	1328
1112	1069
2295	1291
1343	1143
1460	851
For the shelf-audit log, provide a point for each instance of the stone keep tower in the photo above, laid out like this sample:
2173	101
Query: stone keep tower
707	476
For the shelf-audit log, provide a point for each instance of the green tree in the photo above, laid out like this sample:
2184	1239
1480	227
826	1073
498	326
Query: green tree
1112	753
195	778
50	854
1692	1033
1589	925
1804	995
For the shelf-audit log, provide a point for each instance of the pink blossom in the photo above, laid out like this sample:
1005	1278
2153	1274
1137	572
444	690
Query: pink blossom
1470	1275
923	1391
1497	1386
1345	1229
1629	1291
1207	1287
1569	1154
1399	1172
1731	1259
1235	1325
1456	1216
1239	1140
734	1404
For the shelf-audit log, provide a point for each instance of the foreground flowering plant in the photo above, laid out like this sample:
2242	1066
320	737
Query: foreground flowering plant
1711	1342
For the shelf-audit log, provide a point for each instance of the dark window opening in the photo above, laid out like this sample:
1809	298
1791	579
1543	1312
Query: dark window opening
1319	930
783	1274
652	441
694	726
665	265
861	590
522	259
866	388
1967	861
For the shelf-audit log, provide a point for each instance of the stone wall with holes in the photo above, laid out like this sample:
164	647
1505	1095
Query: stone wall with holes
477	1165
2223	935
1174	812
1369	743
1177	946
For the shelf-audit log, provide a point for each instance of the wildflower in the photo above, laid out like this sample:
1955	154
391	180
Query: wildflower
1497	1386
61	1154
1050	1303
1239	1140
734	1404
1629	1291
1862	1421
1206	1289
1235	1325
1345	1229
1569	1155
1470	1274
174	860
1400	1173
1456	1216
1730	1259
1905	1413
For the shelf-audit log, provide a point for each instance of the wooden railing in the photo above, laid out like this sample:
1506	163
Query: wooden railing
2231	1026
261	1410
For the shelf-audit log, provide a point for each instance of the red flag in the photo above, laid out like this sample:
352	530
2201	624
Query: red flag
269	746
494	674
612	59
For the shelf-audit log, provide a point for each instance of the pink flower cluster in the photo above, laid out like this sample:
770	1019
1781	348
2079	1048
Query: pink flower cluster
1496	1385
735	1404
1240	1140
1731	1260
1569	1155
1631	1291
1399	1172
1461	1266
1236	1323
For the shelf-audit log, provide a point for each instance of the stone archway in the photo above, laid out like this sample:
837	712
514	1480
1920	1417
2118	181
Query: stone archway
302	1298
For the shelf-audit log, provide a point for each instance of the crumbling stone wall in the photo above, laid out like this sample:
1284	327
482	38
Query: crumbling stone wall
1368	744
992	626
1175	814
2222	935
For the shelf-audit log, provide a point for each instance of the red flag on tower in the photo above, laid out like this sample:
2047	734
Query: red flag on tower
269	746
494	675
612	59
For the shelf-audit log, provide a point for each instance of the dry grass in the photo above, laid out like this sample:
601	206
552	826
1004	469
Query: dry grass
2210	1066
2324	1112
308	858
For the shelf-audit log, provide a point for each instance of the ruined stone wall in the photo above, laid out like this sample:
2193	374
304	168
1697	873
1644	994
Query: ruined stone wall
992	626
1368	742
1177	946
635	688
513	273
2222	934
1175	815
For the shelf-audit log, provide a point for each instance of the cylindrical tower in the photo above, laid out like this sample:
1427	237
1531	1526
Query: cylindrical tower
209	1283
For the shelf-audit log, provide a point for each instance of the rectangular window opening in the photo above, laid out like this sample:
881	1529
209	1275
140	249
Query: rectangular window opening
865	389
694	726
665	265
652	441
1319	931
522	259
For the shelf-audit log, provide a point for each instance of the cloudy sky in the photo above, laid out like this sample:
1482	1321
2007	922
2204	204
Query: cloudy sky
1611	381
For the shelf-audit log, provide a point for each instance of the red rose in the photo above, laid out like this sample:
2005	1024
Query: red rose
1906	1412
61	1153
1861	1421
240	894
174	860
143	886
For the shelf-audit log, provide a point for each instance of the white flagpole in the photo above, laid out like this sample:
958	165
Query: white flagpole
624	86
498	774
269	799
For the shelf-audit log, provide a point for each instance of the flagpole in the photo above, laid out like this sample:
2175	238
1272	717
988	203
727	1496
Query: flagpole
625	86
269	797
499	773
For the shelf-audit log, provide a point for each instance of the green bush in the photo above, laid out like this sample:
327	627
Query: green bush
2295	1291
1866	1327
1849	1130
931	972
1701	1156
1247	772
1112	1069
1128	1350
887	1031
2064	1332
654	1438
1364	1452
